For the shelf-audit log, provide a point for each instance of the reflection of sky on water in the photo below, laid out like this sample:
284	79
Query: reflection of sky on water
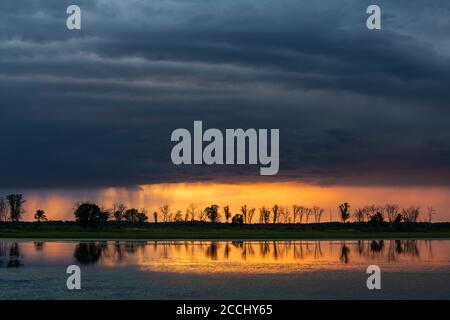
252	257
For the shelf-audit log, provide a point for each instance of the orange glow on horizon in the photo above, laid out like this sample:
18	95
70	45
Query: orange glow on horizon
59	204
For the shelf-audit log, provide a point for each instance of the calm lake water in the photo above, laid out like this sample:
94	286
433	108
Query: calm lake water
225	269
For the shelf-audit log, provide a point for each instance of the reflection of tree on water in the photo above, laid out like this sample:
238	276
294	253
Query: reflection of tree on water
124	249
226	252
90	252
211	251
376	246
39	246
10	251
407	248
317	250
345	252
264	248
237	244
364	250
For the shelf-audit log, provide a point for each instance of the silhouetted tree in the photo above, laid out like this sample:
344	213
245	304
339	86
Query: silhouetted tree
376	220
202	215
308	212
369	211
191	211
40	216
392	211
431	213
411	214
359	214
227	213
88	214
318	212
296	213
131	215
344	210
16	209
238	219
155	217
283	214
178	216
3	210
104	215
244	213
142	216
275	211
398	221
119	211
250	214
264	215
165	211
212	213
301	212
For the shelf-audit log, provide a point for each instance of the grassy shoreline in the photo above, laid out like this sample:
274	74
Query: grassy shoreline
221	232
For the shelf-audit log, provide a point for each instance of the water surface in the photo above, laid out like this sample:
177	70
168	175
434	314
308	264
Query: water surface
225	269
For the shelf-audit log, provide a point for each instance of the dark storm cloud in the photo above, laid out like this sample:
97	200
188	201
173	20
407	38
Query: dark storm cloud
96	107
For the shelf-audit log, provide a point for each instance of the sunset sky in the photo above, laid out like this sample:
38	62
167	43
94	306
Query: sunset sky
87	114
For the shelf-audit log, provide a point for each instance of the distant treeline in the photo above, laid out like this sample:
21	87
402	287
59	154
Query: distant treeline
89	214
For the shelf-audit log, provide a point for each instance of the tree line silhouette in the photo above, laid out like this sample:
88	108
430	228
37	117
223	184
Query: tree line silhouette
89	214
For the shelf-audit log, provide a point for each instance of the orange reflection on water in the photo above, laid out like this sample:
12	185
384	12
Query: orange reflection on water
247	257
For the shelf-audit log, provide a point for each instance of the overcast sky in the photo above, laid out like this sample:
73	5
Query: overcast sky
96	107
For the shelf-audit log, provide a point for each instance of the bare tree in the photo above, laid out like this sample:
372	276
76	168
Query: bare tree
250	214
295	212
431	213
369	211
276	212
308	213
3	210
244	212
359	214
392	211
318	212
282	214
16	209
381	210
264	215
411	214
178	216
165	211
285	214
301	213
191	211
202	215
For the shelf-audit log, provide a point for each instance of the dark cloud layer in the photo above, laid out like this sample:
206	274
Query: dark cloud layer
96	107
